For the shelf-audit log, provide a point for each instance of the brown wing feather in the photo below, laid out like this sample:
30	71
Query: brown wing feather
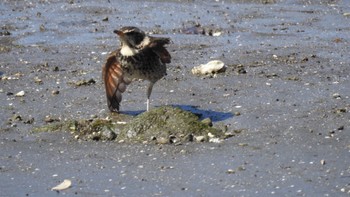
157	45
114	81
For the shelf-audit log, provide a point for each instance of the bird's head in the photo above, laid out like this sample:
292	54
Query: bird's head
132	37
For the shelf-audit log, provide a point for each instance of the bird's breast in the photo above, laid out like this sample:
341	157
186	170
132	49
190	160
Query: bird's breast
143	66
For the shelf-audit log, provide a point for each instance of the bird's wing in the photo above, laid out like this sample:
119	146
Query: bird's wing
157	45
114	81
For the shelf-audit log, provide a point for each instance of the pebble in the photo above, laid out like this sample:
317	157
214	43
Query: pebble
211	135
49	119
230	171
55	92
215	140
85	82
336	96
200	138
38	80
162	140
323	162
207	121
108	134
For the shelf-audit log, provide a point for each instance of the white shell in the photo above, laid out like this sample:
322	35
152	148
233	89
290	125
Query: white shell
211	67
62	186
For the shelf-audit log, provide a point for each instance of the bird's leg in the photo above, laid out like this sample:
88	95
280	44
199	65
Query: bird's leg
149	91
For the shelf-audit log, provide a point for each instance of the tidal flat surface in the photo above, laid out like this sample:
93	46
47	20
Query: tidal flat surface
286	87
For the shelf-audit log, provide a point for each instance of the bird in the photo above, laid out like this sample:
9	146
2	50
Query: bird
140	56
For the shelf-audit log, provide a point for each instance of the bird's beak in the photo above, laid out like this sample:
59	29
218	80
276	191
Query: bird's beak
119	33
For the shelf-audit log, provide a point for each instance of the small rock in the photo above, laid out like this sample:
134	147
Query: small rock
107	134
340	110
212	67
200	138
229	134
241	70
105	19
16	117
215	140
56	69
323	162
5	33
42	28
55	92
29	121
336	96
230	171
20	94
173	139
162	140
49	119
210	135
189	138
37	80
85	82
207	121
217	33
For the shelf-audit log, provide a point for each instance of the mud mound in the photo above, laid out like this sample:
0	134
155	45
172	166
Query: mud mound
163	125
168	125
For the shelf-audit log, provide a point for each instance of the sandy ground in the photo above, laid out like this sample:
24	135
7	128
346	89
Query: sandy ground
287	86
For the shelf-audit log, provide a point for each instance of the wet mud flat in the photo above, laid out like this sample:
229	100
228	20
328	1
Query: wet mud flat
285	87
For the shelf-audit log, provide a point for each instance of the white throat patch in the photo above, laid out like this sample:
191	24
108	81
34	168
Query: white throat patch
127	51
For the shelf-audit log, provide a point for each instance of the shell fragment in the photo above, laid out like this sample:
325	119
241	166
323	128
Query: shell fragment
62	186
211	67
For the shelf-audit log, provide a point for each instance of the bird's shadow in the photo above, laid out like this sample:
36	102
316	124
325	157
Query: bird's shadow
215	116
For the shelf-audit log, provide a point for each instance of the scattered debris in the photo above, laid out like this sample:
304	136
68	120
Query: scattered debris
83	82
49	119
5	33
38	80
